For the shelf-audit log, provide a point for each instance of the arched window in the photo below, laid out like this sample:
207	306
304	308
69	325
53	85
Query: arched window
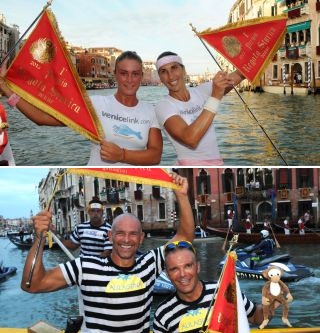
229	180
203	182
96	187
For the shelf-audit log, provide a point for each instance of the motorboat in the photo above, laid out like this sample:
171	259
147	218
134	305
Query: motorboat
163	285
6	272
245	238
248	268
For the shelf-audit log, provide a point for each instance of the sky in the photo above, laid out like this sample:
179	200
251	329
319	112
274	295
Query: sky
148	27
19	192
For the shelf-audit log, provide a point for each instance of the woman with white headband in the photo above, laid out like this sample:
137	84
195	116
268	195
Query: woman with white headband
187	115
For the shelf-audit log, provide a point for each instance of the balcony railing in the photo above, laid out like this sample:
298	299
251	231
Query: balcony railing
302	51
304	192
282	53
283	194
293	53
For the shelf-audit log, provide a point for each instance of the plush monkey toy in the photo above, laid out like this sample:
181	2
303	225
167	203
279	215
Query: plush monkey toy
274	291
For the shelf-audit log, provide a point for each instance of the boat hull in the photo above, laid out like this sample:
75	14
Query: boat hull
255	330
8	271
307	238
27	242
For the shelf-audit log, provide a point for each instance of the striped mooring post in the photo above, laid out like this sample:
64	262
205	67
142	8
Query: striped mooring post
309	76
284	78
173	216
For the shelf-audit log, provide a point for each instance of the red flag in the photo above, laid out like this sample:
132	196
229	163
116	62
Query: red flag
149	176
43	74
249	45
228	314
6	156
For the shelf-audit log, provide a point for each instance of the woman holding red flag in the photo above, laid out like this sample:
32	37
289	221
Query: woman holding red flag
187	115
132	133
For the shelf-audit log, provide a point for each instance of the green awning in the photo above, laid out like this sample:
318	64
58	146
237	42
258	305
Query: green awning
299	26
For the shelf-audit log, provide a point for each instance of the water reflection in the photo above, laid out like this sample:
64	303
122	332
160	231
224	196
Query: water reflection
23	309
292	122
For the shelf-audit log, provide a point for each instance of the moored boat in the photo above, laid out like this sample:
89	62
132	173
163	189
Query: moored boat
293	238
24	241
6	272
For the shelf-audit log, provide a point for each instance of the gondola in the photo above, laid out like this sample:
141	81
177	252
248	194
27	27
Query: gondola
24	241
293	238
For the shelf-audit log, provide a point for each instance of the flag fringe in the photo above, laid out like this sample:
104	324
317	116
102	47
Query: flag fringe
247	23
120	174
244	23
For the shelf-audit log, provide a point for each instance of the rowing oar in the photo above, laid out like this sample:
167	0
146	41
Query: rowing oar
40	237
243	101
274	236
308	229
223	248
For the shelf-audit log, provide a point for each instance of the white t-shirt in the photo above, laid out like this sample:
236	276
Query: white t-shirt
207	148
125	126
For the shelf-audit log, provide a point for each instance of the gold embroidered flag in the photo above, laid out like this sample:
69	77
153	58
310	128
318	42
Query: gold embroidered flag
228	313
148	176
249	45
44	75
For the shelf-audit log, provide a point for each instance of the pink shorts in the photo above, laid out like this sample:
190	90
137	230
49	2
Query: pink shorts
214	162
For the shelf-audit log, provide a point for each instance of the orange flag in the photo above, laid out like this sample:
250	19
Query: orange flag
248	45
149	176
44	75
228	313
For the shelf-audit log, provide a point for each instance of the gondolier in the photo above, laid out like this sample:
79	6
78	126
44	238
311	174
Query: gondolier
91	236
121	284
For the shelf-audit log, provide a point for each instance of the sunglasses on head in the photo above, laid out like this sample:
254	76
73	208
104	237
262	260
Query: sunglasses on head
179	245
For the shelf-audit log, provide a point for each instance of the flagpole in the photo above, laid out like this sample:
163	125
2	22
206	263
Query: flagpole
243	101
233	241
20	39
40	237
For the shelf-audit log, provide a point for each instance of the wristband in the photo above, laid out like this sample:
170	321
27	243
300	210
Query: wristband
13	100
212	105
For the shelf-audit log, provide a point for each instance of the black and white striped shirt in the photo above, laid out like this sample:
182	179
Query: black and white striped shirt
175	315
116	299
92	240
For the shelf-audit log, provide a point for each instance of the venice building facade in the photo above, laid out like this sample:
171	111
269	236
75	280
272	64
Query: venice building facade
263	193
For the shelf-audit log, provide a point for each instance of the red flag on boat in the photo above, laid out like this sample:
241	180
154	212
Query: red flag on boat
228	314
148	176
249	45
44	75
6	156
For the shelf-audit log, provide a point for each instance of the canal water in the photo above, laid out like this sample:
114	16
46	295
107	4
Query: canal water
20	309
292	122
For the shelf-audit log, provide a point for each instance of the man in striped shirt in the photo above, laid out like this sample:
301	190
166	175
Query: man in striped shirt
91	236
186	309
117	290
